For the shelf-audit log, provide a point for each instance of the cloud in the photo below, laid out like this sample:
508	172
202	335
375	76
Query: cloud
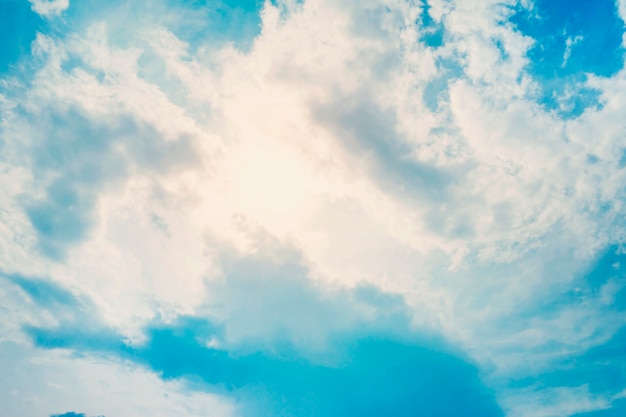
43	292
558	402
370	135
364	373
275	366
46	382
411	166
49	8
68	171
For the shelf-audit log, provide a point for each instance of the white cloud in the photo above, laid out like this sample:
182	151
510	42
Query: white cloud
52	382
321	139
49	8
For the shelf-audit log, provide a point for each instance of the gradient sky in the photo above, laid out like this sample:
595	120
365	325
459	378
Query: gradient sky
318	208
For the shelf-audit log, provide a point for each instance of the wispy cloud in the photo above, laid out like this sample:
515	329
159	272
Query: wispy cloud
49	8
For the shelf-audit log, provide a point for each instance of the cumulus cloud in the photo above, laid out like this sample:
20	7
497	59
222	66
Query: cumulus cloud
368	370
430	153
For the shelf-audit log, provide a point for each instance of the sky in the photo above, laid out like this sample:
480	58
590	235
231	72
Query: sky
312	208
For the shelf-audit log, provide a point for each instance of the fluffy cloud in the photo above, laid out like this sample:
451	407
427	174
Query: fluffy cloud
158	171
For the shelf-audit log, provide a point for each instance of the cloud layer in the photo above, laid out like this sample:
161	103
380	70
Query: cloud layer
346	204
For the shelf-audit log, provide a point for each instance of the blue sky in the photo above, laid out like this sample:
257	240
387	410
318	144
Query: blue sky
312	208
